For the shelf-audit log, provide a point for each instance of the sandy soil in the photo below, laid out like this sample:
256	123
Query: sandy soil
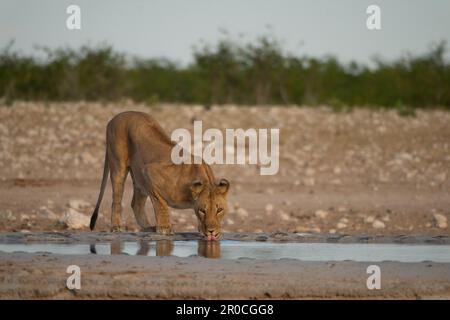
43	276
369	172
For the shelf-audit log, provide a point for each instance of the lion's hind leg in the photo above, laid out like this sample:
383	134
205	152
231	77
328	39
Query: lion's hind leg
138	205
118	177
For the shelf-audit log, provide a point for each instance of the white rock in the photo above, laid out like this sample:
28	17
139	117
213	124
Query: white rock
369	219
269	207
24	217
377	224
322	214
242	212
75	220
441	220
344	220
341	225
283	215
78	204
51	215
10	216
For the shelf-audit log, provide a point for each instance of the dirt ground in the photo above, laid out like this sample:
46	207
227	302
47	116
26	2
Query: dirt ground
362	172
43	276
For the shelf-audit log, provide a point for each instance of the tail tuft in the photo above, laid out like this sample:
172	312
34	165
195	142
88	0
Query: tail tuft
93	219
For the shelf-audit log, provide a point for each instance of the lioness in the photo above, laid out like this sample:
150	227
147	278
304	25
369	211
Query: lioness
136	143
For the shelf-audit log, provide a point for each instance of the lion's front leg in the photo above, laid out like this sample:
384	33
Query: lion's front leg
163	225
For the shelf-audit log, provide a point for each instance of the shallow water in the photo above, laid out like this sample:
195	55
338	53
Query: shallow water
247	249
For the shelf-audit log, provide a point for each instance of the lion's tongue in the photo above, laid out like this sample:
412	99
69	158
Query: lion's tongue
211	237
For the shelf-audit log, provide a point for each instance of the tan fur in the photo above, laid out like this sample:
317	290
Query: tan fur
136	143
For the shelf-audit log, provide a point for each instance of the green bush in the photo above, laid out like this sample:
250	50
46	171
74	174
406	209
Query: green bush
230	72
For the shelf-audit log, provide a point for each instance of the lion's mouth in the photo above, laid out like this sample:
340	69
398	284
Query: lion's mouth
212	236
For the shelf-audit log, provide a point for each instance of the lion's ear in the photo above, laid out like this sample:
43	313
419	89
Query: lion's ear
223	186
196	188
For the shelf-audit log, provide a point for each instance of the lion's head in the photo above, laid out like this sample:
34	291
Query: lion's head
210	205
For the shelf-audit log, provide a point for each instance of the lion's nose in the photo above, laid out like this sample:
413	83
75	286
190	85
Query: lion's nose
211	230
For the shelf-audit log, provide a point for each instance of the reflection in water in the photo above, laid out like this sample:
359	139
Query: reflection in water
144	248
207	249
164	248
116	246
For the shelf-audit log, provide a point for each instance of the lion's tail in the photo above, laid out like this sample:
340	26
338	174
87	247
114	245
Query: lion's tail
102	191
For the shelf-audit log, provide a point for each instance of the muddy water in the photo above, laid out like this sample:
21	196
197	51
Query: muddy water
249	249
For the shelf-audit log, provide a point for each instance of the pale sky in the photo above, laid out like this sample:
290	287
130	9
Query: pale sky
169	28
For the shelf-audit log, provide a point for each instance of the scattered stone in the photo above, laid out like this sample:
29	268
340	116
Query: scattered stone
241	212
78	204
344	220
24	217
369	219
10	216
75	220
322	214
377	224
440	220
332	231
341	225
284	216
50	214
269	207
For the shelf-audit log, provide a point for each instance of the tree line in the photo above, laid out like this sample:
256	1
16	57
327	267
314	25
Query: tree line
257	73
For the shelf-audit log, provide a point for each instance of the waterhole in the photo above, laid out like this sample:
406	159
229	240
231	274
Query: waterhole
247	249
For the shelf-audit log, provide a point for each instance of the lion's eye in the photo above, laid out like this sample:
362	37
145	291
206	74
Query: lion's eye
202	211
219	210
